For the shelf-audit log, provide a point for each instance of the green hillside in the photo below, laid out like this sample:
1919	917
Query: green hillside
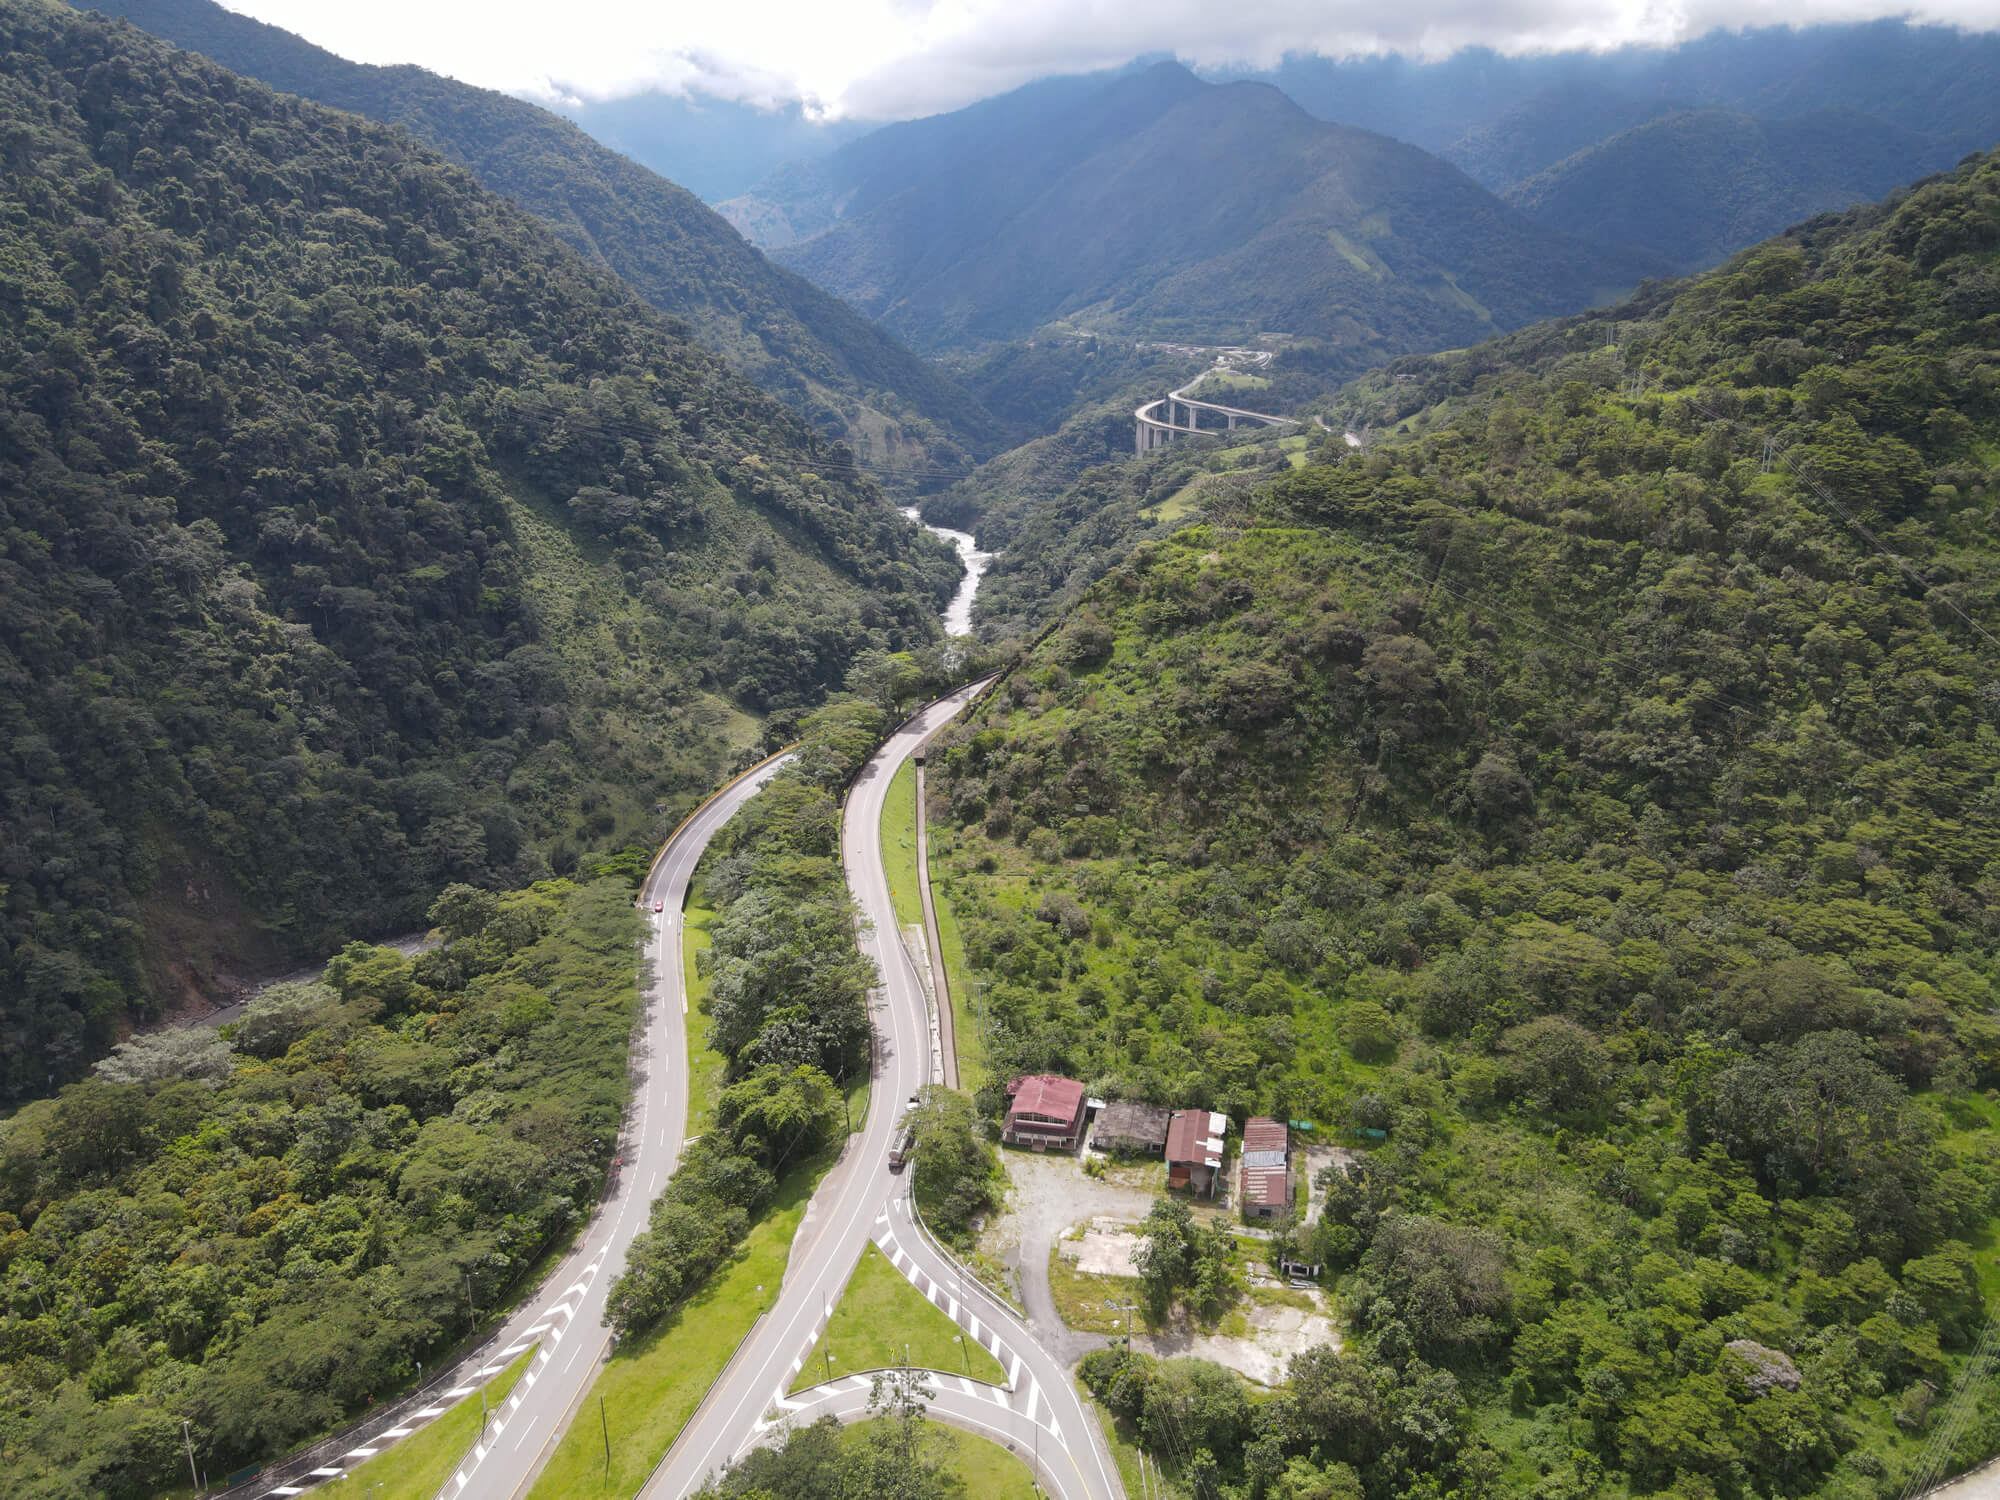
1571	806
1698	185
1157	205
848	377
355	537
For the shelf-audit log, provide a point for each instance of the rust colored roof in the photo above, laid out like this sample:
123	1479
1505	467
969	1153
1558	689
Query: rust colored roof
1044	1096
1195	1135
1266	1187
1261	1133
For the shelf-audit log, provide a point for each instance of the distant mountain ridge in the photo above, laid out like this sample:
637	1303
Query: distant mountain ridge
1697	185
849	377
1153	202
1692	152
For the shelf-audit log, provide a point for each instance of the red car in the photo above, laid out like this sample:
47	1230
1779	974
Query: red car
659	906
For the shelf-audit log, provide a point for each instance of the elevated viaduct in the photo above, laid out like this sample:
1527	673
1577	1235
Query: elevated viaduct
1154	429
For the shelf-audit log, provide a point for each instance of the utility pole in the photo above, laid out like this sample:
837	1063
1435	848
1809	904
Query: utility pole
605	1423
186	1437
470	1311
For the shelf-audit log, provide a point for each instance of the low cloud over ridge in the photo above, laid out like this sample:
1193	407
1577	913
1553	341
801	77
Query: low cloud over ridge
896	59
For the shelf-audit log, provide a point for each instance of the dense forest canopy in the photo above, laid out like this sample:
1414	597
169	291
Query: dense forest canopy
261	1232
355	537
848	377
1586	804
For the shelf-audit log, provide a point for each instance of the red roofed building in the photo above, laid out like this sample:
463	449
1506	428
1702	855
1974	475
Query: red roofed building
1194	1150
1043	1111
1266	1174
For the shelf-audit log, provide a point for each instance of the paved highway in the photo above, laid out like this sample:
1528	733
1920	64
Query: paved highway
573	1337
861	1200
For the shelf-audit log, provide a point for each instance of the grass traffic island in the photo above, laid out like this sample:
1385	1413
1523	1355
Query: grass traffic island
417	1467
899	844
983	1469
655	1381
878	1317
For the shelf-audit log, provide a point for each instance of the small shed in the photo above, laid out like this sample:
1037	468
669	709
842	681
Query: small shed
1266	1172
1043	1111
1135	1129
1194	1149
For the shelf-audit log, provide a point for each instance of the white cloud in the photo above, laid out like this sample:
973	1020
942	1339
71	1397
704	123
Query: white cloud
886	59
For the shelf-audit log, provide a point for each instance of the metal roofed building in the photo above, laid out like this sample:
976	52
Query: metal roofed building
1195	1140
1043	1111
1266	1171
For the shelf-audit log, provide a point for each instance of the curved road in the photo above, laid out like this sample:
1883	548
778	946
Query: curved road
861	1200
525	1429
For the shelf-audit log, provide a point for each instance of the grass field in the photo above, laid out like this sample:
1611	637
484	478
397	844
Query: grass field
653	1384
417	1467
1082	1298
878	1317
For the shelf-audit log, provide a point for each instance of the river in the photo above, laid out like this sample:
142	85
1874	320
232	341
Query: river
958	613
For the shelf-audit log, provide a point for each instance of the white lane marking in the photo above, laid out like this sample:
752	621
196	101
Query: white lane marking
396	1432
464	1390
1034	1398
361	1452
431	1411
1014	1375
952	1311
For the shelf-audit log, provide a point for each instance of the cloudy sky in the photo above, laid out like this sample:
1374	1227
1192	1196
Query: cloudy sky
889	59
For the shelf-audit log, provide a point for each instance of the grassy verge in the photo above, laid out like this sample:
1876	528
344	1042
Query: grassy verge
899	844
653	1384
417	1467
983	1469
705	1065
1139	1475
878	1317
964	1009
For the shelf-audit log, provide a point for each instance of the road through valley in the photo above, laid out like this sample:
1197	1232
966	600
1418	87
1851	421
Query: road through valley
861	1200
571	1328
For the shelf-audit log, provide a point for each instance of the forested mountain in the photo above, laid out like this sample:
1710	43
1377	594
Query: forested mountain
356	536
1690	152
843	373
1582	806
1161	205
1698	185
